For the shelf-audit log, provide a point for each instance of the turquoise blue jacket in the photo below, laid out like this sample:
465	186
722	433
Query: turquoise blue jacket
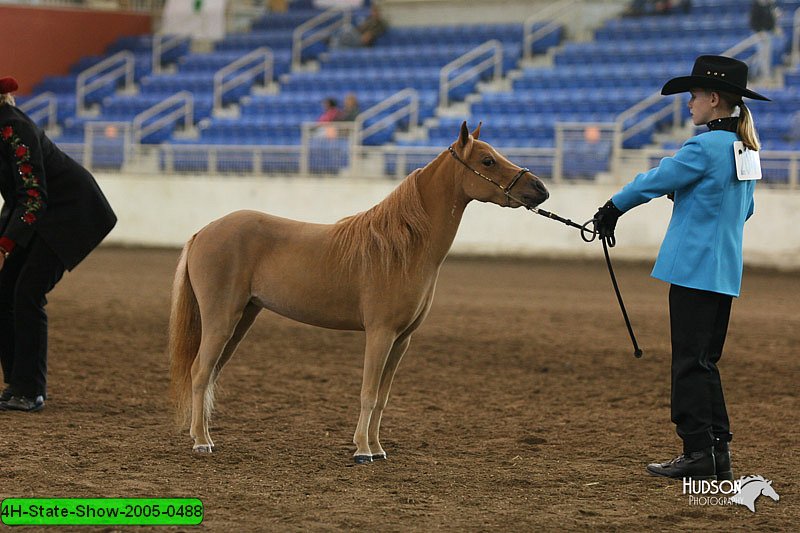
703	245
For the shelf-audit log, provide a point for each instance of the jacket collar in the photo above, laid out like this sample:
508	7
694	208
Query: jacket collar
725	124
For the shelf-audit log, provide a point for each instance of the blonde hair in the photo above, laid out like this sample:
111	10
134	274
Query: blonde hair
746	130
7	98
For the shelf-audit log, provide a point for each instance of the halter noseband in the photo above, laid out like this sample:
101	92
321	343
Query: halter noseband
506	190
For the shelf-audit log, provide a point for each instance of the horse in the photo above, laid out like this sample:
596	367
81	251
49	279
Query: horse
375	272
751	487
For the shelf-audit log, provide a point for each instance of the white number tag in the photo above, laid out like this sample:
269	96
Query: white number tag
748	162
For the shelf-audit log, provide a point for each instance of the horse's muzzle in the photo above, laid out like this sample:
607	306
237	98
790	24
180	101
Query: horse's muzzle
535	192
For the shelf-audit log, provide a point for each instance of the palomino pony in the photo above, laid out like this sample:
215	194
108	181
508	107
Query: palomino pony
375	271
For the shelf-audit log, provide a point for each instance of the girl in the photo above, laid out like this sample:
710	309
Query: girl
701	255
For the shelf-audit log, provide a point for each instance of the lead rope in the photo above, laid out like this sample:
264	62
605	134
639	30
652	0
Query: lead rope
589	235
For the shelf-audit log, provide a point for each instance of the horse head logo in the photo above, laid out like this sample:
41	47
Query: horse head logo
751	487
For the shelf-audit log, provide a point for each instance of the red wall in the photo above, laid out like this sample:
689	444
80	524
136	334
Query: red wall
37	42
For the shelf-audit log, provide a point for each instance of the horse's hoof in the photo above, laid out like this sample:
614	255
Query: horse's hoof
379	456
362	459
202	448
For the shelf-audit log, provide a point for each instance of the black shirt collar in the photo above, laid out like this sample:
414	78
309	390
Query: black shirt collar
725	124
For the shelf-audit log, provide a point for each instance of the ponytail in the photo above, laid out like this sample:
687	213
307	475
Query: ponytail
747	129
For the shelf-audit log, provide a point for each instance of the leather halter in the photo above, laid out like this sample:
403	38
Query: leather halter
506	190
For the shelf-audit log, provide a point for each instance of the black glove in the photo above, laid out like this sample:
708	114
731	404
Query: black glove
605	220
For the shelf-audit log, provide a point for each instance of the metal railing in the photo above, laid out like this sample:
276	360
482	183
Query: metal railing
582	149
43	106
623	133
780	169
342	139
495	60
761	58
554	14
248	68
107	145
183	104
410	110
796	38
321	27
162	44
108	71
574	159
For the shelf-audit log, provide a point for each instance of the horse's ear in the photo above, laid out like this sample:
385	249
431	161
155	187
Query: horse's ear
769	482
476	133
463	137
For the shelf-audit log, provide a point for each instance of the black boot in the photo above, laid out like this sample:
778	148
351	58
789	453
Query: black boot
722	459
697	465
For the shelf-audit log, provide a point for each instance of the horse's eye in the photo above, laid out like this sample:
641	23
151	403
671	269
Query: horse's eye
487	161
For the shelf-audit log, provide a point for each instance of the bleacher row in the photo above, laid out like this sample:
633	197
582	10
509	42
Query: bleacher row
592	81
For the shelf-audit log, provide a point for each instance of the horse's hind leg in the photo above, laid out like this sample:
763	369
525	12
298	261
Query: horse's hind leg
379	344
248	317
395	356
217	334
242	327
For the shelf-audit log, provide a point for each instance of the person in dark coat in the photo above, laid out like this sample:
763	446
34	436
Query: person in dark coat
53	215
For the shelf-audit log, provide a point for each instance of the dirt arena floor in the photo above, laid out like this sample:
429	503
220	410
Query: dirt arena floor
519	407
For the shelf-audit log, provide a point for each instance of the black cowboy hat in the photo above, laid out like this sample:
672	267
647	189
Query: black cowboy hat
714	72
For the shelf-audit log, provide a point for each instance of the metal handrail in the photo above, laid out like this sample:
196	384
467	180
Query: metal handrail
299	43
765	53
119	64
32	109
411	110
185	111
445	84
221	85
763	43
554	13
161	44
796	37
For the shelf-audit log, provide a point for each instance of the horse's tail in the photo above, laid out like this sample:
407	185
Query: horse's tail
184	336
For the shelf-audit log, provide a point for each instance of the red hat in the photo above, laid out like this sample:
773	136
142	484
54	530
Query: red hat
8	85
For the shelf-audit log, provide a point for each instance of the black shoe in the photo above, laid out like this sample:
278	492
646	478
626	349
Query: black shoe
6	394
22	403
722	460
697	465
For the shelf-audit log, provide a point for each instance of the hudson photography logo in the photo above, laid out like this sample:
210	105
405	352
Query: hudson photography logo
743	491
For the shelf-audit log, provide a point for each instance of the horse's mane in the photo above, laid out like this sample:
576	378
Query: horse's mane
385	235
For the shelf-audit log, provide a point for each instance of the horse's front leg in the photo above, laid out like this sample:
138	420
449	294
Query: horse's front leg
395	356
379	344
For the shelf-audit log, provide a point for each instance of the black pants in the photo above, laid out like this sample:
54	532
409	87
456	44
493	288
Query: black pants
699	324
28	275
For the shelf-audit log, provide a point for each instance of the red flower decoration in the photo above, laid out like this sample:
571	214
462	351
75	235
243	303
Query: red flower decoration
7	132
25	168
29	218
21	150
33	193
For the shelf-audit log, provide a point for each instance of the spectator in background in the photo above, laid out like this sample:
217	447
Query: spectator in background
330	111
364	34
351	108
638	8
763	15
